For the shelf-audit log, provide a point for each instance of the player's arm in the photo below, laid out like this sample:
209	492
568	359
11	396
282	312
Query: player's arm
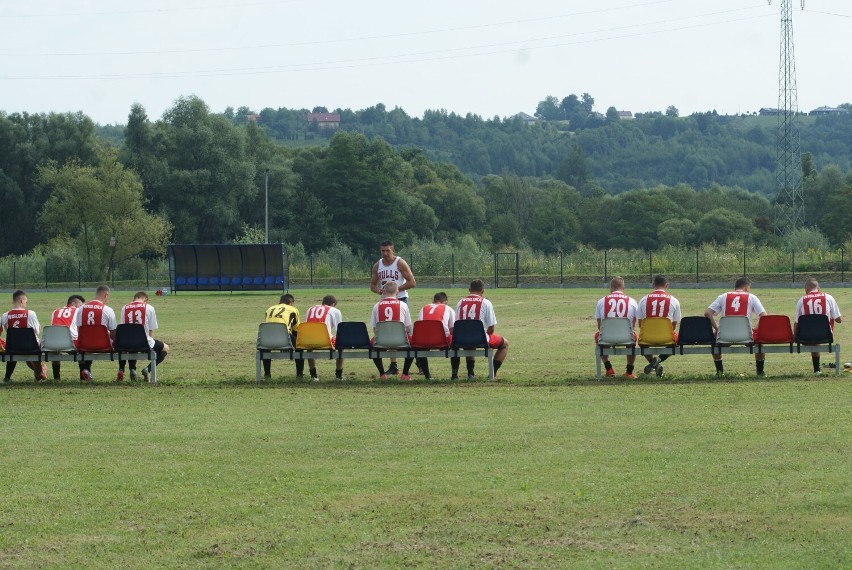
410	283
490	330
374	280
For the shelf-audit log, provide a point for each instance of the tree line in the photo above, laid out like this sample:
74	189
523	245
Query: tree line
198	176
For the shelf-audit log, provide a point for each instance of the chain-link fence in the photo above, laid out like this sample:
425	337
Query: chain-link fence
707	264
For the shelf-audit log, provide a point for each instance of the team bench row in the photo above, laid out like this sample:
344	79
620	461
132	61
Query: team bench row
352	340
93	343
774	335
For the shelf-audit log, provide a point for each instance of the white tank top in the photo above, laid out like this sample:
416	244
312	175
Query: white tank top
388	273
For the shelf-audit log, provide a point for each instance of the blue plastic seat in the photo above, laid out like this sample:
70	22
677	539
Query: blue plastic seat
469	334
191	281
351	334
180	280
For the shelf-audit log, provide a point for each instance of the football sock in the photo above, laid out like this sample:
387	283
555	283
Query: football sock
497	365
300	367
664	357
815	360
759	364
719	366
608	365
338	374
630	368
379	365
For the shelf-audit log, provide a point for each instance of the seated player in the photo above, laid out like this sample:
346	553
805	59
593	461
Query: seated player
390	308
476	306
617	305
19	317
95	313
658	303
140	312
437	310
740	302
288	315
64	317
328	313
815	302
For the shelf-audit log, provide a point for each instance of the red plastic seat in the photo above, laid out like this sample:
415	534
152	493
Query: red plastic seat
774	329
429	334
93	338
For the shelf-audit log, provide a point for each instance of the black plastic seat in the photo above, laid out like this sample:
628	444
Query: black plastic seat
469	334
696	330
131	337
22	341
351	334
814	329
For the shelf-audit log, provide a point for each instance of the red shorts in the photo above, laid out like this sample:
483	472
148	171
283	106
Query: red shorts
495	341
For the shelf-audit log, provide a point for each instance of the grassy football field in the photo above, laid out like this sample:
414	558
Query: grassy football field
545	467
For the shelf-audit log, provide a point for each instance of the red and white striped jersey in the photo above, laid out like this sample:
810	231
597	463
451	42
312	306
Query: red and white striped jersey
439	312
617	305
327	314
63	316
737	304
20	319
476	307
140	313
391	309
818	303
95	313
659	303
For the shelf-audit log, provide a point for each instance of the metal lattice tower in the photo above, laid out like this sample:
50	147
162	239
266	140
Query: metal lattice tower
790	204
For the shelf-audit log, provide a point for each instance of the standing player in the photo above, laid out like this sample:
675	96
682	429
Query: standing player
740	302
327	313
815	302
19	317
390	308
437	310
392	268
64	317
288	315
659	303
617	305
476	307
140	312
95	313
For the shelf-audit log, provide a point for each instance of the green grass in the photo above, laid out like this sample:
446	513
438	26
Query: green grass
546	467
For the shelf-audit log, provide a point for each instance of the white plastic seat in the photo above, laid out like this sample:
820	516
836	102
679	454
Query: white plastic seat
616	332
273	336
734	330
57	339
391	334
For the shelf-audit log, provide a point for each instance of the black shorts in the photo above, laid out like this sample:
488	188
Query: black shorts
158	345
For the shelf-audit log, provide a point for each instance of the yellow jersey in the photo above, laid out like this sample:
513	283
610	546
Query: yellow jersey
285	314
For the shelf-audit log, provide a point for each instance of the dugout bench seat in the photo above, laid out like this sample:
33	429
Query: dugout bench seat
774	335
353	341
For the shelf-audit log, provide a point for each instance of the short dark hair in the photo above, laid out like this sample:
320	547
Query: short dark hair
287	299
440	297
477	285
140	295
73	298
742	282
329	300
102	289
16	296
660	280
386	243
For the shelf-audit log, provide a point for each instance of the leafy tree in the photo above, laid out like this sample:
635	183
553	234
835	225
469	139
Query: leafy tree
671	111
548	109
677	232
723	225
94	204
574	169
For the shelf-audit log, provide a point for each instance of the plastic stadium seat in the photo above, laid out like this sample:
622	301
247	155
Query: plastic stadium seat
22	341
696	330
180	280
273	336
774	329
352	334
427	335
279	280
313	336
734	330
93	338
191	281
616	332
469	334
246	280
269	280
391	334
214	280
57	339
814	329
131	337
257	281
656	331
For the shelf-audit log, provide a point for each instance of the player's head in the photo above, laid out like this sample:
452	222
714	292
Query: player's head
440	298
390	289
329	300
287	299
102	293
616	284
75	301
811	285
476	286
141	296
660	282
19	297
742	284
387	250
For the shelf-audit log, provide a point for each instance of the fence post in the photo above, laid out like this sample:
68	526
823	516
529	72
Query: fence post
842	252
453	268
147	275
561	263
14	275
45	275
744	261
605	264
697	280
650	266
79	275
341	269
311	270
794	265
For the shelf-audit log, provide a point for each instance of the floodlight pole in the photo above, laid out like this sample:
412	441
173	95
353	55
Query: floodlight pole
266	200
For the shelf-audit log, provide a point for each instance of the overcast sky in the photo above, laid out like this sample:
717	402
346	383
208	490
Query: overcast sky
469	56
